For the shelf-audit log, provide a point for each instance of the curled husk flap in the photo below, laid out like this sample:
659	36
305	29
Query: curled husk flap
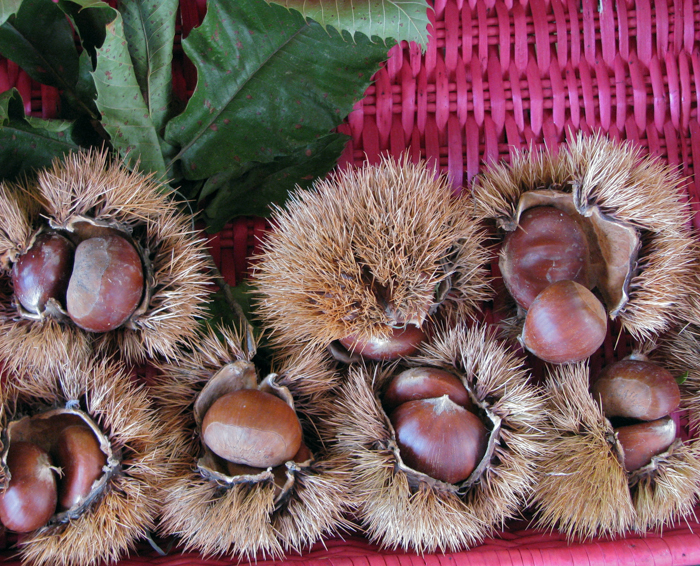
633	208
89	194
369	249
401	508
123	504
584	490
246	514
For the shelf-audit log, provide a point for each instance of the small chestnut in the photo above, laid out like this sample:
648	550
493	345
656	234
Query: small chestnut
636	389
106	285
425	383
81	459
43	272
642	441
439	438
30	498
401	342
252	427
565	323
547	246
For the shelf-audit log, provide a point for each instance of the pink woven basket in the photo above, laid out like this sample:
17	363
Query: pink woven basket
497	75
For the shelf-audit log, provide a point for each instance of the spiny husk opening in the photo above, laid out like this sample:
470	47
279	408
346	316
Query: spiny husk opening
584	490
394	510
126	508
369	249
245	514
89	193
625	186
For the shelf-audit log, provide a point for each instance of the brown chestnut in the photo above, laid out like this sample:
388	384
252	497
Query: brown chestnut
43	272
401	342
81	460
30	498
106	285
636	389
642	441
425	383
565	323
252	427
547	246
439	438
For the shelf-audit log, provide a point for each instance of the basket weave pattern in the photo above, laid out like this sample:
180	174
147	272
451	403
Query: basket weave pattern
498	75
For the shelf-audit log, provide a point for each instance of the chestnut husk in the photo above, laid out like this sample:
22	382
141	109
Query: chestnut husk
584	490
632	205
366	251
244	515
90	194
399	507
124	502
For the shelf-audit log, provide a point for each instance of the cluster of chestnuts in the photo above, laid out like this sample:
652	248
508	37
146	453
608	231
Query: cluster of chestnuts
94	276
438	430
546	265
638	397
54	462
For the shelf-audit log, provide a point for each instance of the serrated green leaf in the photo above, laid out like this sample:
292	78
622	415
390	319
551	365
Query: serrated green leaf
269	83
251	190
149	28
125	115
27	143
681	379
398	19
40	40
8	8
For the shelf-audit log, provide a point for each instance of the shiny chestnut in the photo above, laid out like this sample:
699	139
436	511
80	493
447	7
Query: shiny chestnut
547	246
636	389
252	427
106	285
43	272
439	438
565	323
425	383
401	342
81	460
30	498
642	441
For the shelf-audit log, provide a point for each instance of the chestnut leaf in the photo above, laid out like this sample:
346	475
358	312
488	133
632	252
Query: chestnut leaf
399	19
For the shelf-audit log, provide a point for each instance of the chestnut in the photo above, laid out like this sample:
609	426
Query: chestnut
547	246
106	285
81	460
439	438
642	441
403	341
425	383
565	323
636	389
252	427
43	272
30	498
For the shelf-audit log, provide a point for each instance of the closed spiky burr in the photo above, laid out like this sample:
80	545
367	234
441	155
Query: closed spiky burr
221	508
123	504
399	507
90	198
370	249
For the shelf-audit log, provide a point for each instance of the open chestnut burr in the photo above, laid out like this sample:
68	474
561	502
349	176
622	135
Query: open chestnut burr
245	447
597	213
95	257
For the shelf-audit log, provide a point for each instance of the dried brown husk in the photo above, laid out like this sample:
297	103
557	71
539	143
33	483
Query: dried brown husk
94	188
584	490
368	249
125	508
429	516
627	187
240	516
